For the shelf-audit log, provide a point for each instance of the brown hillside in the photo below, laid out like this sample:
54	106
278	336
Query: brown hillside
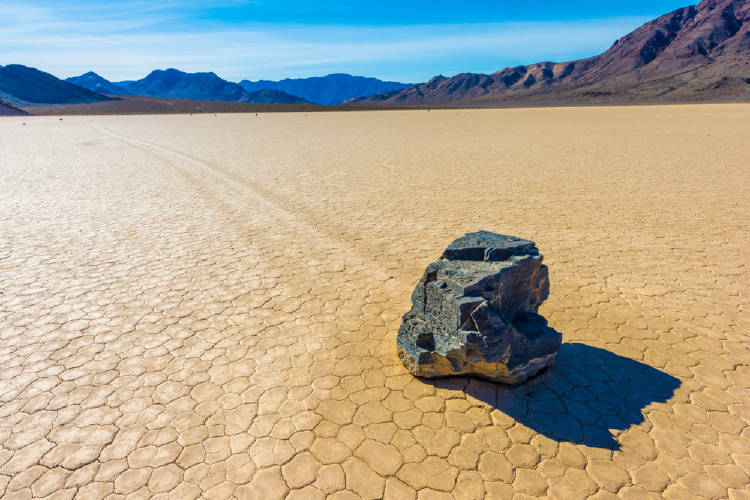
700	52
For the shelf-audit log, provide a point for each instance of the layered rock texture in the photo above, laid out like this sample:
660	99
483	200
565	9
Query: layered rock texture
475	312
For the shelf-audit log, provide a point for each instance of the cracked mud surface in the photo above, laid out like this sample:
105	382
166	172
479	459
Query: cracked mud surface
206	306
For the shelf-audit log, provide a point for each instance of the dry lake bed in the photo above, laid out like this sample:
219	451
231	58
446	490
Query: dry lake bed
206	306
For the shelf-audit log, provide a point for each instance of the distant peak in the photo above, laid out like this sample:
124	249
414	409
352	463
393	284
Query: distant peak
168	71
438	78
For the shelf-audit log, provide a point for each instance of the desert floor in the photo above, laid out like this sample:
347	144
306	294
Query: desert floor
207	305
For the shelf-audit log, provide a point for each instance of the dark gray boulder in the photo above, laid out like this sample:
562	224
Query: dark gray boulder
475	312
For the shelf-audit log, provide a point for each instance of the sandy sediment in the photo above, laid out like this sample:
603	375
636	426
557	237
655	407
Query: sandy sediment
207	305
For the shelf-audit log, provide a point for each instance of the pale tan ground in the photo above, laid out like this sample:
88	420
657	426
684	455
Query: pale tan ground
207	305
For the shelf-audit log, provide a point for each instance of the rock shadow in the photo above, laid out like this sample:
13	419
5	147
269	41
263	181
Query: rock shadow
585	395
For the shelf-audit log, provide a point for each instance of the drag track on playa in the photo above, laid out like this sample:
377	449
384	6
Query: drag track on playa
206	306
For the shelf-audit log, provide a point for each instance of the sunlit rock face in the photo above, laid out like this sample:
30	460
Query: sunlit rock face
475	312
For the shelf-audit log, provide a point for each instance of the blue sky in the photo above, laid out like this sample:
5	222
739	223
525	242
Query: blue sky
401	40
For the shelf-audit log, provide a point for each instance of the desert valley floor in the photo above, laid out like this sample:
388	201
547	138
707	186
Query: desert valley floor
207	305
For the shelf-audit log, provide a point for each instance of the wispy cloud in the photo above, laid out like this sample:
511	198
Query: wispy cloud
147	35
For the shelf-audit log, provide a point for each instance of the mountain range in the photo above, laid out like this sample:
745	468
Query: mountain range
330	89
696	53
172	83
701	52
22	86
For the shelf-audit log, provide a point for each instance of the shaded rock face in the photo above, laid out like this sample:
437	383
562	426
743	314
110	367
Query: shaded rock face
475	312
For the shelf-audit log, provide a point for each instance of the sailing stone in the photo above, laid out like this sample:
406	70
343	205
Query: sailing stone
475	312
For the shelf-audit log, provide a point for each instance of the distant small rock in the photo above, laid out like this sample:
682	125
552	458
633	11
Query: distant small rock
475	312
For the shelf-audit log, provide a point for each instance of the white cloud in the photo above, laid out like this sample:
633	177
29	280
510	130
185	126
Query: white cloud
128	46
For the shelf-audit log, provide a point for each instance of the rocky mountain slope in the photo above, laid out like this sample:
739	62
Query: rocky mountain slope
8	110
23	86
330	89
694	53
96	83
